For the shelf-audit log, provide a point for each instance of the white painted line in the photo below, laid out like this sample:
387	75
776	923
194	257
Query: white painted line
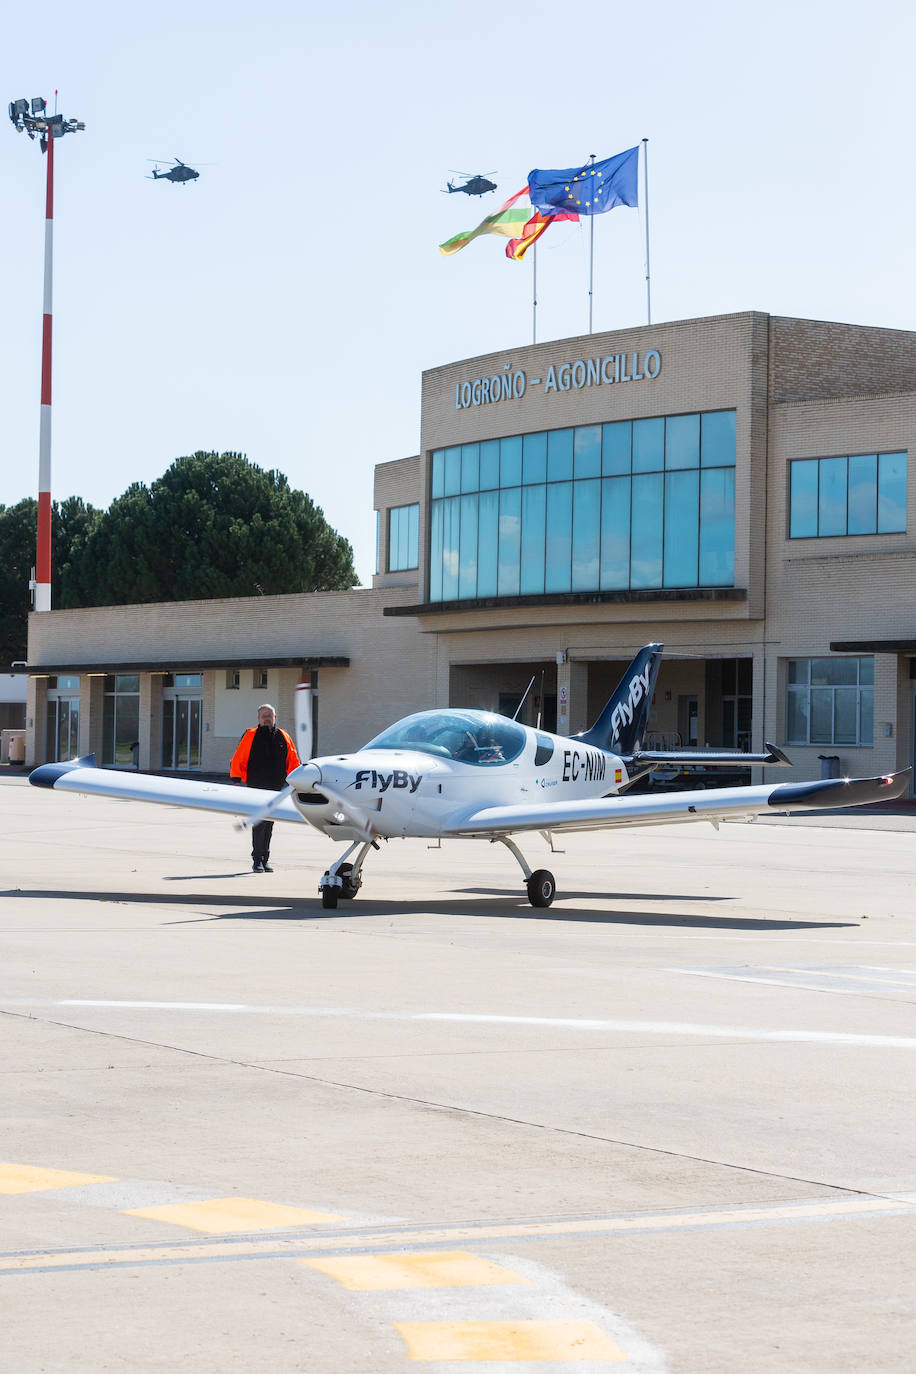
684	1028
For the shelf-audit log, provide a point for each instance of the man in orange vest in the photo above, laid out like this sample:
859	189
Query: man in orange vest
263	758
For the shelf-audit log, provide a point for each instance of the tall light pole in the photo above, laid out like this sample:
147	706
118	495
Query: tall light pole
32	118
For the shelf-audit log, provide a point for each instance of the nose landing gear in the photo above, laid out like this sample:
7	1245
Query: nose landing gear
541	885
343	879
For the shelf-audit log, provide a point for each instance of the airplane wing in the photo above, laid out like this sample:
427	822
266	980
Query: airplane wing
81	775
715	804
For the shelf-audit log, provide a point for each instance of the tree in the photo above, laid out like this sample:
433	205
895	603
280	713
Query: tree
71	523
214	525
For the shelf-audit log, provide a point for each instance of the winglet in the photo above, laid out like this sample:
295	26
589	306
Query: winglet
48	773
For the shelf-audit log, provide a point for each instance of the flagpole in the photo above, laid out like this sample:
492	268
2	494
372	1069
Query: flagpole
645	173
591	260
534	295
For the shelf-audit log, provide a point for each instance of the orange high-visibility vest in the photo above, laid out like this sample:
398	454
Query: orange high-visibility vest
238	768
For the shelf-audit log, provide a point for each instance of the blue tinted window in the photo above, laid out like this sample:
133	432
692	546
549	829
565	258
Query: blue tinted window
488	543
450	552
438	480
646	532
588	451
892	493
803	499
452	471
534	509
489	464
682	441
403	537
718	439
510	462
467	562
559	455
435	551
831	502
863	494
717	528
586	534
559	537
470	467
615	533
615	453
534	463
648	445
682	520
510	510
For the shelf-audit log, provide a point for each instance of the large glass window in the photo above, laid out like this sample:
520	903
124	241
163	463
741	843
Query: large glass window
830	701
629	504
864	493
404	536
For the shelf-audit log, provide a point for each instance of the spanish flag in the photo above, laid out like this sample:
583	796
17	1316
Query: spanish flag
536	226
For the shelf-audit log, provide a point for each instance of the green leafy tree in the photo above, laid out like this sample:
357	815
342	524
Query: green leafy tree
214	525
71	523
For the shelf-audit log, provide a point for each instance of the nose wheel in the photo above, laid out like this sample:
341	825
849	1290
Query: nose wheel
343	879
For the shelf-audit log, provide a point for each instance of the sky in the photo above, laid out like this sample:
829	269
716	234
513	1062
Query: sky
286	303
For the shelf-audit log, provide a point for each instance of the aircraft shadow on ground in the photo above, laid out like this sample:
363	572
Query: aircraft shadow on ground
498	904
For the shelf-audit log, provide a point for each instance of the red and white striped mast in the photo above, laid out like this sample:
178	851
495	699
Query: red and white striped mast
32	119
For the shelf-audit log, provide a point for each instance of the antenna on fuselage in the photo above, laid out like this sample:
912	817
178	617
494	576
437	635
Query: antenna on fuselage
522	702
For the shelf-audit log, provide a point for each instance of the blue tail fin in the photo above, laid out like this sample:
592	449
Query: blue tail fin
621	727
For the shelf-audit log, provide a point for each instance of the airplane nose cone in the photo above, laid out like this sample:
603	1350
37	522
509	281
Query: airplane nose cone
306	776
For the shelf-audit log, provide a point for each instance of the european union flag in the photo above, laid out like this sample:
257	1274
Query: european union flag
588	190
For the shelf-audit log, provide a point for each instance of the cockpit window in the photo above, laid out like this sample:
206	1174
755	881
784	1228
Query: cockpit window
466	736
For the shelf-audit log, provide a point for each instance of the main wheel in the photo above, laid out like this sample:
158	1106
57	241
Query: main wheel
541	888
329	897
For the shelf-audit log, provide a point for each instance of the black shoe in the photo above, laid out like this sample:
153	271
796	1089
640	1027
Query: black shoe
266	868
257	866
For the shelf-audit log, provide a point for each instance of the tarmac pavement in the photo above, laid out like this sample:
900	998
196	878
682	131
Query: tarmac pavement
665	1125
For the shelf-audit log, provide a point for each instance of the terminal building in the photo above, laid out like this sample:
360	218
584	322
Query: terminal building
736	487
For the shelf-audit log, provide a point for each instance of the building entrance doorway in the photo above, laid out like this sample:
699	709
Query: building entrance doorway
63	720
182	717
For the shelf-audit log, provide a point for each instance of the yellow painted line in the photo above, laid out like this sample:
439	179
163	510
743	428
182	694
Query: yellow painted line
558	1340
445	1269
223	1214
25	1178
293	1246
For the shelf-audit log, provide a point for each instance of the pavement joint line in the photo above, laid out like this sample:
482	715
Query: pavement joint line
286	1246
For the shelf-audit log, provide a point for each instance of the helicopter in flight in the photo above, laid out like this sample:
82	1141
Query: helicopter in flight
476	185
180	172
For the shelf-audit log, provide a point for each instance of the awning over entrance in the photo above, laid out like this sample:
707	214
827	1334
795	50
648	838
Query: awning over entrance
195	665
873	646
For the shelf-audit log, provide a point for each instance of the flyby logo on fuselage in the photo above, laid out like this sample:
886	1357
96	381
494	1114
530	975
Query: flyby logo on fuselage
622	713
585	765
382	781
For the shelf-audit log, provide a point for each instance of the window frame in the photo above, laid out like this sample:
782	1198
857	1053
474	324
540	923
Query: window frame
863	688
795	465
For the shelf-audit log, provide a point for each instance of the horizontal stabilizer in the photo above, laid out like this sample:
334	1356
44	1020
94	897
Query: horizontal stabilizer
709	758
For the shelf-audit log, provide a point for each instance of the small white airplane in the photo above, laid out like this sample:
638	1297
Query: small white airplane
464	774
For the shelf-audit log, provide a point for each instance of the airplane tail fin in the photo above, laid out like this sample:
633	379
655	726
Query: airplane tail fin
621	727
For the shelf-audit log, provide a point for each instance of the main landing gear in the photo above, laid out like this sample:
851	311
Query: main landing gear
541	884
344	879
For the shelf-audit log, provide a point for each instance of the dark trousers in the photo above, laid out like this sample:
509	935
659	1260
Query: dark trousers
260	841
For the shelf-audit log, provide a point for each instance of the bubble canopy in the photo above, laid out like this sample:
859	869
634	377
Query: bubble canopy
475	737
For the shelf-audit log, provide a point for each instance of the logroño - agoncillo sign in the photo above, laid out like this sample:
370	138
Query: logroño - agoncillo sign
512	384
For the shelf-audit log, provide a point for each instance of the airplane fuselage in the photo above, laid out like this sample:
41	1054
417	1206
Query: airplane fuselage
389	791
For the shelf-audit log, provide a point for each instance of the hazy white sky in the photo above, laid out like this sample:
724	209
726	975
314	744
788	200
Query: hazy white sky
286	303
